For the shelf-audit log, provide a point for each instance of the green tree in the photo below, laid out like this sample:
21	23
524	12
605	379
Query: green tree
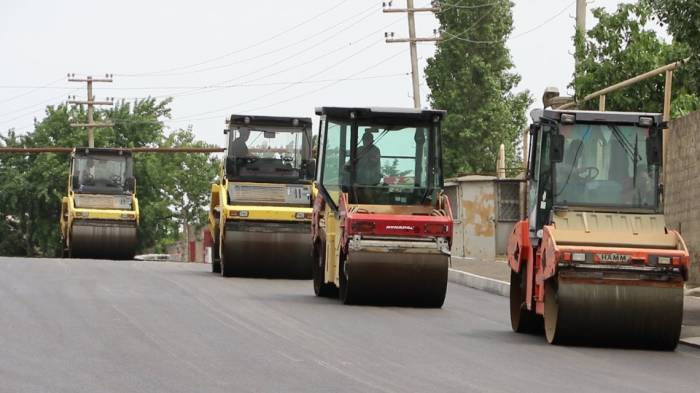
171	189
183	196
623	45
682	19
393	169
470	77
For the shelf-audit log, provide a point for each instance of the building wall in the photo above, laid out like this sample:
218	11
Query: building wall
478	218
452	192
485	210
682	185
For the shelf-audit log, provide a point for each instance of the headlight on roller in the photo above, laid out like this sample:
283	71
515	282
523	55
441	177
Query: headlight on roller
578	257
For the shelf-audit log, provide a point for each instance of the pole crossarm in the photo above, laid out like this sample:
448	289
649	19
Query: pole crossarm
418	39
90	79
405	10
90	102
78	102
92	125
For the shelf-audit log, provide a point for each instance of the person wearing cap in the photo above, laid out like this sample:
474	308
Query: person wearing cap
238	146
368	161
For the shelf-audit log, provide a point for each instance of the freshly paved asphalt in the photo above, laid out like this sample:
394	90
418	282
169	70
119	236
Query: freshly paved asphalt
103	326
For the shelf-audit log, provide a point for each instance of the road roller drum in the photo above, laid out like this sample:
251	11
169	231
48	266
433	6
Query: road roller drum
103	240
403	279
266	250
618	313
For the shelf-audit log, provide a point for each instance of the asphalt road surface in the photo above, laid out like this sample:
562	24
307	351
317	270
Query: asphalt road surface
102	326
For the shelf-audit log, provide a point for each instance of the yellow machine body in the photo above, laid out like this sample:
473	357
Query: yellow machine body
261	228
95	224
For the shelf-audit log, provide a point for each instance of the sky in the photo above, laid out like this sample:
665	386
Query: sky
216	58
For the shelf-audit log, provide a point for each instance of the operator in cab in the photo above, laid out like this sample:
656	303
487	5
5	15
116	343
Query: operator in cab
368	161
238	146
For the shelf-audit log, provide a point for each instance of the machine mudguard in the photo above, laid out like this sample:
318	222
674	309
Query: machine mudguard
213	221
319	208
550	253
518	245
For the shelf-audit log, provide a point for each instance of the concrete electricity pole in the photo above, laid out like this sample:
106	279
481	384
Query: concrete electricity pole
410	10
581	10
90	125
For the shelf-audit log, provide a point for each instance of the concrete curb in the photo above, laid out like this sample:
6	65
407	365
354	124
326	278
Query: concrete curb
486	284
691	342
502	288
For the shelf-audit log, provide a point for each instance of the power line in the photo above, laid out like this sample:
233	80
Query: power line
307	21
213	86
546	21
468	7
30	91
289	85
32	107
281	61
328	85
460	38
359	15
349	77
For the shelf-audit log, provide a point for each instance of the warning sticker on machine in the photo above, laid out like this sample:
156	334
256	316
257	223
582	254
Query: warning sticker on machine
612	258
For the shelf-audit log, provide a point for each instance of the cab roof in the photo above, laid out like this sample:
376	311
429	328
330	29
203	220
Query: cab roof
601	117
381	113
84	151
269	121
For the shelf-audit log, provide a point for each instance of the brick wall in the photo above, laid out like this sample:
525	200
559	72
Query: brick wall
682	185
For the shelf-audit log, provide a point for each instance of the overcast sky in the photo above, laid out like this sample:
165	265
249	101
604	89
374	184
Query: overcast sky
265	57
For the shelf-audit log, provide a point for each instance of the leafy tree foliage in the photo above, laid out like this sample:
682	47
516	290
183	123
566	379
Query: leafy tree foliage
393	169
470	77
682	19
623	45
172	189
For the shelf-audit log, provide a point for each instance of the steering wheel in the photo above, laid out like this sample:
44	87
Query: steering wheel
287	158
588	173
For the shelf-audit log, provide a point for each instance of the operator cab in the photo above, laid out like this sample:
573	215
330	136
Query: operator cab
593	161
269	149
102	171
380	156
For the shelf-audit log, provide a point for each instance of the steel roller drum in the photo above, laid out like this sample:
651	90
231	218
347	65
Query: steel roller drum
623	313
267	251
395	278
103	240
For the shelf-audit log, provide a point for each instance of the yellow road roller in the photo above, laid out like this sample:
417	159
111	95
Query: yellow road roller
382	227
100	214
260	209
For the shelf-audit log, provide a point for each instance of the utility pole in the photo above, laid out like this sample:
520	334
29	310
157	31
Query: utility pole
90	125
581	9
410	10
